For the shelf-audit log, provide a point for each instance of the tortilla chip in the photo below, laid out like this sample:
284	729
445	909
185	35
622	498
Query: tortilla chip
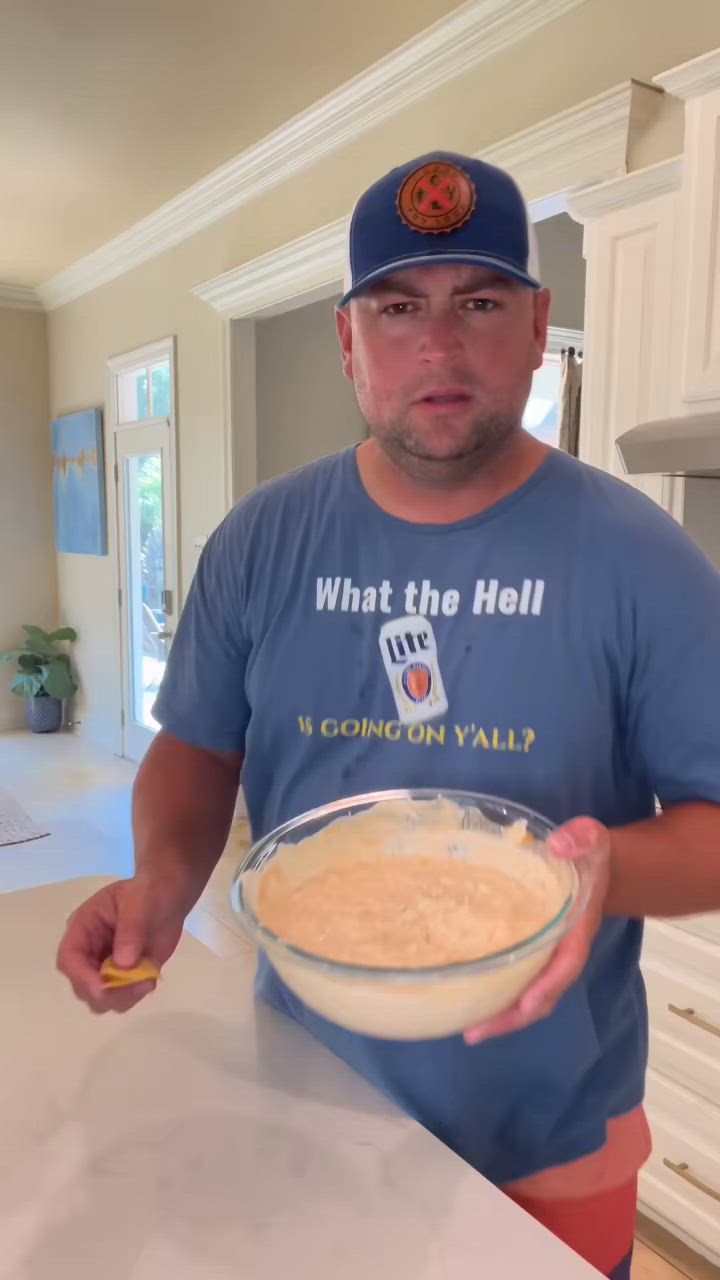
114	978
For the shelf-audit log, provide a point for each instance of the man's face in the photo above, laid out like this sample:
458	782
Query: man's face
442	359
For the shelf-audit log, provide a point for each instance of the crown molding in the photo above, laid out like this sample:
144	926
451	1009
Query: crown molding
633	188
472	34
578	146
692	79
19	298
560	339
297	269
584	144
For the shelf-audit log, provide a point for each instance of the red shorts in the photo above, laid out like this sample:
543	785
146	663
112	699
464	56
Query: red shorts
600	1228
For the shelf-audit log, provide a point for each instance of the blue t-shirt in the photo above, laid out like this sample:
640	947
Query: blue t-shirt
577	631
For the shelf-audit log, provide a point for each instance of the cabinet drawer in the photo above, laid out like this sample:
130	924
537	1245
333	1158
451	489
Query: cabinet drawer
684	1026
681	1181
702	926
689	1067
673	944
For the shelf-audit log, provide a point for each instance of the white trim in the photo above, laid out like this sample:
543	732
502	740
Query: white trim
312	266
19	298
120	428
548	206
240	417
302	266
583	144
634	188
694	78
472	34
559	339
163	349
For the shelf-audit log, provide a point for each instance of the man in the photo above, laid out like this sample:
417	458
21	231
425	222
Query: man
576	631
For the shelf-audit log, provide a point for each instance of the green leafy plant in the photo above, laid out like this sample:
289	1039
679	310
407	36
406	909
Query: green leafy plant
44	670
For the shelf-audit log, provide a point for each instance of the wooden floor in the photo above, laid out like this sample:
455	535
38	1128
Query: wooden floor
648	1266
59	775
662	1256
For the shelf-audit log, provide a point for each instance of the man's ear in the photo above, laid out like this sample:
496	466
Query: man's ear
343	324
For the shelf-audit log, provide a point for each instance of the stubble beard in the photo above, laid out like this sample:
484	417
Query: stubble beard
488	438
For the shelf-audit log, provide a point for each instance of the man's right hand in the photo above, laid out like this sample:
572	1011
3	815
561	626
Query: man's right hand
128	920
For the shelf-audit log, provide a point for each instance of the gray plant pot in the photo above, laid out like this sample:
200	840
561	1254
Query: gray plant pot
44	715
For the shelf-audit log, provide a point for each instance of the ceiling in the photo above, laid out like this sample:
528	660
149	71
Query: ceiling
109	109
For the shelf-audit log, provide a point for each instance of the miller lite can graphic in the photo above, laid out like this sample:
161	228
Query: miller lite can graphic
410	656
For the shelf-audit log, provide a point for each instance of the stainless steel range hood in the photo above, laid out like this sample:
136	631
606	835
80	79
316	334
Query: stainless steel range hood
684	446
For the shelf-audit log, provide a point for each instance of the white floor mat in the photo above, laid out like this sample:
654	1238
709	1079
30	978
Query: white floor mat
16	826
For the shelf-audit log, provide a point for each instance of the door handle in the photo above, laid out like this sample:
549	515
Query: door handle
161	635
689	1015
683	1171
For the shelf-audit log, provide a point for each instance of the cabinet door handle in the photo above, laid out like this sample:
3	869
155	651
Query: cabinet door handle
691	1016
683	1171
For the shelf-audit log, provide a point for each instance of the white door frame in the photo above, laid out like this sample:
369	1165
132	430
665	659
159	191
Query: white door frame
133	431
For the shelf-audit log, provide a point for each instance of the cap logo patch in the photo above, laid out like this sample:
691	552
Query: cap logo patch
436	198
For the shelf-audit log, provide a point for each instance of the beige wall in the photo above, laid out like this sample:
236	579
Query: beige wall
28	586
562	268
596	46
306	408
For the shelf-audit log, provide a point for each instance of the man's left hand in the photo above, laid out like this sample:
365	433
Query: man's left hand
587	843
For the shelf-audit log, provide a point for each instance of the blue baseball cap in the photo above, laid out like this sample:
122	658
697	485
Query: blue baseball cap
441	207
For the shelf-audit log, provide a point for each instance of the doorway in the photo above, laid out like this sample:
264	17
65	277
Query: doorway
146	507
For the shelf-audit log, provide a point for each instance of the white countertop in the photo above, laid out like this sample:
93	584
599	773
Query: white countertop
202	1138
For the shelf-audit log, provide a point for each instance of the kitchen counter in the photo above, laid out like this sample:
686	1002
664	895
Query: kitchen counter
201	1138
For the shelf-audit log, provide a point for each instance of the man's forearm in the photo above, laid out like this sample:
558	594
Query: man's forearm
667	866
183	805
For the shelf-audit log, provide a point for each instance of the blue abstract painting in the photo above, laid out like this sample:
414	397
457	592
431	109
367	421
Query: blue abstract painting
79	483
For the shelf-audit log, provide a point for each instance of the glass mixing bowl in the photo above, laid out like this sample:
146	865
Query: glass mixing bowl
418	1003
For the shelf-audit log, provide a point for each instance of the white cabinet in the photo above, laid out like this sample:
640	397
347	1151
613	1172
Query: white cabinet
682	1177
652	323
680	1186
652	350
698	82
702	926
682	977
631	371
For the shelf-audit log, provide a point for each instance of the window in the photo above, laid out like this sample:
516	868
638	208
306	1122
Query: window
144	393
542	412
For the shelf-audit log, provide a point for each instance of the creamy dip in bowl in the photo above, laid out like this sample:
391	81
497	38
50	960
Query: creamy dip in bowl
408	914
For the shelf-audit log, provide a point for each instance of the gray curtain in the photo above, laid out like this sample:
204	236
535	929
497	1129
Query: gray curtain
570	398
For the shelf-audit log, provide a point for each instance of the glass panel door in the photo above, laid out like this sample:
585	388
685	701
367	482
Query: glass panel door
148	632
147	599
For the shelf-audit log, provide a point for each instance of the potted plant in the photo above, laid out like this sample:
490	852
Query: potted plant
44	676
